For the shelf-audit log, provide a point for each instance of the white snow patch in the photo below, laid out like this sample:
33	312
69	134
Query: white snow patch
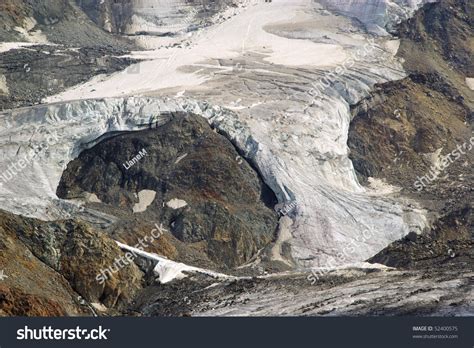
168	270
7	46
99	306
284	235
434	157
392	46
380	187
92	197
355	267
145	198
3	86
176	203
470	82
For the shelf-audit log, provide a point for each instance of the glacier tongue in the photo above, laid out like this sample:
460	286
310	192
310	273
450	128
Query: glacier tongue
298	141
329	220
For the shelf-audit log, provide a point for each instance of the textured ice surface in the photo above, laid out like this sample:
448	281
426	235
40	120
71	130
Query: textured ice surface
263	63
387	292
377	15
330	218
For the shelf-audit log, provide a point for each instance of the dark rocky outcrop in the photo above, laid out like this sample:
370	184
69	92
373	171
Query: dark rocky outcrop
402	122
117	16
226	210
449	244
61	21
400	131
34	73
439	30
51	268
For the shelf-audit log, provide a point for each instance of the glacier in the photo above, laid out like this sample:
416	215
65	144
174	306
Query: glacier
281	94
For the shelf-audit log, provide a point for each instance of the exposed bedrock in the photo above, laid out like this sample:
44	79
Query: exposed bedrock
439	34
51	268
417	134
30	74
449	244
152	17
56	21
398	131
186	176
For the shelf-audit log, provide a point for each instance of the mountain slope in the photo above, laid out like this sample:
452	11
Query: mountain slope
417	133
56	21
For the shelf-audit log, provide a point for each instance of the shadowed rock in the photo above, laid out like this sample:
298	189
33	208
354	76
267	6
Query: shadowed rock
416	133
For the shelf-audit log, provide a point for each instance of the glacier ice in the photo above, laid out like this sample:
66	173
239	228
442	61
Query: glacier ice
296	140
330	218
377	15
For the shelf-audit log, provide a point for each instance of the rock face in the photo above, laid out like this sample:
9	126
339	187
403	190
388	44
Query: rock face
442	33
152	17
198	185
57	21
31	287
52	268
396	130
450	243
23	71
416	133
